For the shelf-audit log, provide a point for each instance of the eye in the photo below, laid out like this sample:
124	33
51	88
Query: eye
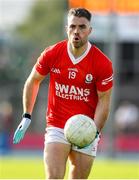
83	26
72	26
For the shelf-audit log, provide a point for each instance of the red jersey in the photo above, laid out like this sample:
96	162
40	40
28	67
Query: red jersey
73	82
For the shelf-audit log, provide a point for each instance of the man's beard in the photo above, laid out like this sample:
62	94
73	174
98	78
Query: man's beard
78	45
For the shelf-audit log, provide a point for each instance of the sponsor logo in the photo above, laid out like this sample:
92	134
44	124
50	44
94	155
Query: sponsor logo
56	70
89	78
73	69
72	92
107	80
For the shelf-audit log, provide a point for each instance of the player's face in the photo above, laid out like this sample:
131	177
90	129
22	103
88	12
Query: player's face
78	30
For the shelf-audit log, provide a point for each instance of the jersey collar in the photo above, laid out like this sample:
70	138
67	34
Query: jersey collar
77	60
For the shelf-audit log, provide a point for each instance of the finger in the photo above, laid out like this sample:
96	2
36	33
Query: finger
18	137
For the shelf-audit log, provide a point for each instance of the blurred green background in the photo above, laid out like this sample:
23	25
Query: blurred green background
27	27
32	168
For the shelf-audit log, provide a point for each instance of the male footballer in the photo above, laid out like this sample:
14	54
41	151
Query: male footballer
81	80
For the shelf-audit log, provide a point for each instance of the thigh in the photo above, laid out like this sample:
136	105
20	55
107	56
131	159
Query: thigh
55	157
81	160
80	165
56	152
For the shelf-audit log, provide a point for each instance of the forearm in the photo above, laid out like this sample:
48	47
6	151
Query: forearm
101	115
102	109
30	92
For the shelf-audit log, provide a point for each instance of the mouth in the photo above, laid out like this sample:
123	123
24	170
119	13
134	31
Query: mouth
76	39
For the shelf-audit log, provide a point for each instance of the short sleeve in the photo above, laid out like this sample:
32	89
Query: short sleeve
42	64
105	77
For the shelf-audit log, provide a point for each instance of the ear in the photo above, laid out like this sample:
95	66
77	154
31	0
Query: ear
90	30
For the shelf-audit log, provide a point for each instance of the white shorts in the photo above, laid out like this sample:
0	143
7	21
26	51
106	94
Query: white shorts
54	134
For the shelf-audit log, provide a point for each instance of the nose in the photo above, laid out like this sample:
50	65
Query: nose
76	31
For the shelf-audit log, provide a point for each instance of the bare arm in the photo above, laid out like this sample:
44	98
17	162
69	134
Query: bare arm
30	91
102	109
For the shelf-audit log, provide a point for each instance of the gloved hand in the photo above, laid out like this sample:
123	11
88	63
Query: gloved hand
21	129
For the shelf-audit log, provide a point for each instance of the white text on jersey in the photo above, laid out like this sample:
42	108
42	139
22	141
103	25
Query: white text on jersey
71	92
55	70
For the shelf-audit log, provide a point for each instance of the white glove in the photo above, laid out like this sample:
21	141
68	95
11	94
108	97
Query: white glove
21	129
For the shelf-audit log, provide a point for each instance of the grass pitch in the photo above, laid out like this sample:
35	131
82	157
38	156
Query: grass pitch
32	168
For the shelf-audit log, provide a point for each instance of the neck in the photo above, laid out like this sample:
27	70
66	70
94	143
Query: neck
77	52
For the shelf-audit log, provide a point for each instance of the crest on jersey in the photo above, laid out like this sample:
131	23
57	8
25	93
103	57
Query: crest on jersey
89	78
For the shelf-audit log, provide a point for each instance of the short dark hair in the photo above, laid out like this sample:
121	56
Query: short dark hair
80	12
